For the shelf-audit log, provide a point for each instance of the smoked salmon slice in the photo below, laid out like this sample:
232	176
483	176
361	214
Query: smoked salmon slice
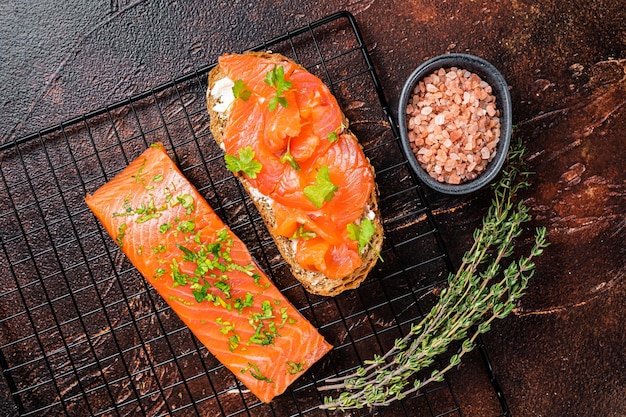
206	274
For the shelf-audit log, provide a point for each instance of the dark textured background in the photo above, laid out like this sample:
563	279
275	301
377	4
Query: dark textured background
562	353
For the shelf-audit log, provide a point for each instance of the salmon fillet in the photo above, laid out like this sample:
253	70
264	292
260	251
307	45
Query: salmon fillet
206	274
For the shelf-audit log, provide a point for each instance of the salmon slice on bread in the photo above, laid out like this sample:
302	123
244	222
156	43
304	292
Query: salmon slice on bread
288	142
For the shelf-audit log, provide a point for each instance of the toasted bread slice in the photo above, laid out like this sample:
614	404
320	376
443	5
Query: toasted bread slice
313	281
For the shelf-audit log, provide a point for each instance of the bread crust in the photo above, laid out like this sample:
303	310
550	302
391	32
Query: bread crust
314	282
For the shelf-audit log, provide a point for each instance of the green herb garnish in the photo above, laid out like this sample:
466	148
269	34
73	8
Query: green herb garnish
295	367
159	249
244	163
285	318
223	287
178	277
257	281
323	190
288	158
240	90
302	233
264	327
121	231
186	201
147	212
200	291
241	303
363	233
333	137
180	300
186	226
226	326
137	176
276	79
254	370
233	342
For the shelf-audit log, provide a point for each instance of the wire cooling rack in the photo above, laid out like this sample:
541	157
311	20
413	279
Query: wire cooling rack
82	333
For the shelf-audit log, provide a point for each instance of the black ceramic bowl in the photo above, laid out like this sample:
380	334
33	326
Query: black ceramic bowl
500	90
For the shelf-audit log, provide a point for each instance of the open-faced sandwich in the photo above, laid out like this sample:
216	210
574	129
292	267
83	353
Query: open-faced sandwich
286	138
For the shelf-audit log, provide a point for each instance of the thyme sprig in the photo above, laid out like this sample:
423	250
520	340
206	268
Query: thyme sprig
477	294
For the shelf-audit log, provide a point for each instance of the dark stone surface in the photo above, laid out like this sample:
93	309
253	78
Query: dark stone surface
562	352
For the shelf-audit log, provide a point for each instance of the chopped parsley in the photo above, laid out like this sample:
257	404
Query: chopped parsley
295	367
226	326
285	318
233	342
180	300
186	226
264	327
200	291
159	249
137	176
147	212
223	287
186	201
257	281
121	231
254	370
241	303
178	277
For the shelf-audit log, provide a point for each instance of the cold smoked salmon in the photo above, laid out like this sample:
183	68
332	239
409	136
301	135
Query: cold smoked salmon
206	274
311	180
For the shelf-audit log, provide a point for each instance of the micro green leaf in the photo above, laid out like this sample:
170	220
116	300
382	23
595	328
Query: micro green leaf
241	91
323	190
361	233
244	163
276	78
